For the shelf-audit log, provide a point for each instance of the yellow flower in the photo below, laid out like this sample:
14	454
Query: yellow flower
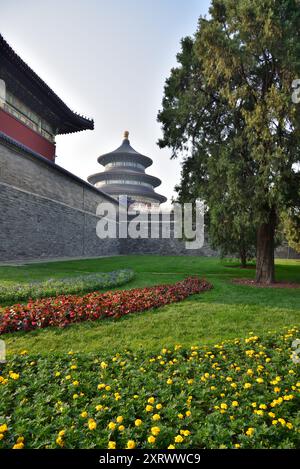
60	441
271	414
75	383
121	428
130	444
151	400
92	424
224	406
178	439
155	431
1	436
276	389
3	428
84	414
249	372
247	385
149	408
151	439
107	388
103	365
138	422
188	413
73	367
289	425
259	380
14	376
262	406
156	417
171	447
158	406
250	431
119	419
75	396
185	432
112	445
274	422
99	407
237	445
57	373
235	404
101	386
282	421
111	425
169	381
61	433
18	446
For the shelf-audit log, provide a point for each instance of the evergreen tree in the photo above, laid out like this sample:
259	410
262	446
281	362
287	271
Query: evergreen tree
227	107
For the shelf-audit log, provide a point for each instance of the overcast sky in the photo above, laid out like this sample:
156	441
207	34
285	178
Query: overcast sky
107	59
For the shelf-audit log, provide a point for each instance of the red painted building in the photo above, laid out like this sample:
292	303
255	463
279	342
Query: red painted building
30	112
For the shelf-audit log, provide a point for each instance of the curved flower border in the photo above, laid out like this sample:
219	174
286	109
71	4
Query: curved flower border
63	310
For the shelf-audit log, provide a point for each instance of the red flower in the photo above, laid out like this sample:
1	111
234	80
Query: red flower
64	310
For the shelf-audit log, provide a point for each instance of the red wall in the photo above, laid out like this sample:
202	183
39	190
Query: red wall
15	129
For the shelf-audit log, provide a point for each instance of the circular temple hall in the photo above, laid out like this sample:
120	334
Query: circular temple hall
124	175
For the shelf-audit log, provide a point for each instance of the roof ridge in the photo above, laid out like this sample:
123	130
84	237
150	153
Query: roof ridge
21	63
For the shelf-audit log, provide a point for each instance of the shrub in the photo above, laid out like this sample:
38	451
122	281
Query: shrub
64	310
76	284
243	393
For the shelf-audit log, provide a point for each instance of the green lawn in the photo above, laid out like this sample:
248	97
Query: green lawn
227	311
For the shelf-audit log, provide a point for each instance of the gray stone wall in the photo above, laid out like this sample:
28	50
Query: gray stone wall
163	246
45	211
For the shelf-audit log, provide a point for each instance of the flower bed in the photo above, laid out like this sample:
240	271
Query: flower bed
64	310
77	284
243	393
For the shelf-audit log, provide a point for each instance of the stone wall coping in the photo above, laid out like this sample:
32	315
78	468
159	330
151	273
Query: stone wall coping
8	141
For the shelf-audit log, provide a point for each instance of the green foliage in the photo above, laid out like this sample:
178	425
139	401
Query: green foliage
243	393
68	285
291	228
227	107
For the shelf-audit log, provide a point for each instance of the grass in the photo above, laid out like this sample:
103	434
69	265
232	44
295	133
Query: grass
227	311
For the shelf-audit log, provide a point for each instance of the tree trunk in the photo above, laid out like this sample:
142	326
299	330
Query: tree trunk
243	257
265	269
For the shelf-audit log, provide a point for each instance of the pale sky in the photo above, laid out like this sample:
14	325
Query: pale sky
108	60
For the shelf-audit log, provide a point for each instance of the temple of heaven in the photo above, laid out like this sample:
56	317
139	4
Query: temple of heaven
124	175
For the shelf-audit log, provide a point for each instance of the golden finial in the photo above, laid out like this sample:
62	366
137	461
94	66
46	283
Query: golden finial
126	134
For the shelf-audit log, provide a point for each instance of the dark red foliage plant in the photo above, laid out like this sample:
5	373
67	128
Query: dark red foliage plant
63	310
